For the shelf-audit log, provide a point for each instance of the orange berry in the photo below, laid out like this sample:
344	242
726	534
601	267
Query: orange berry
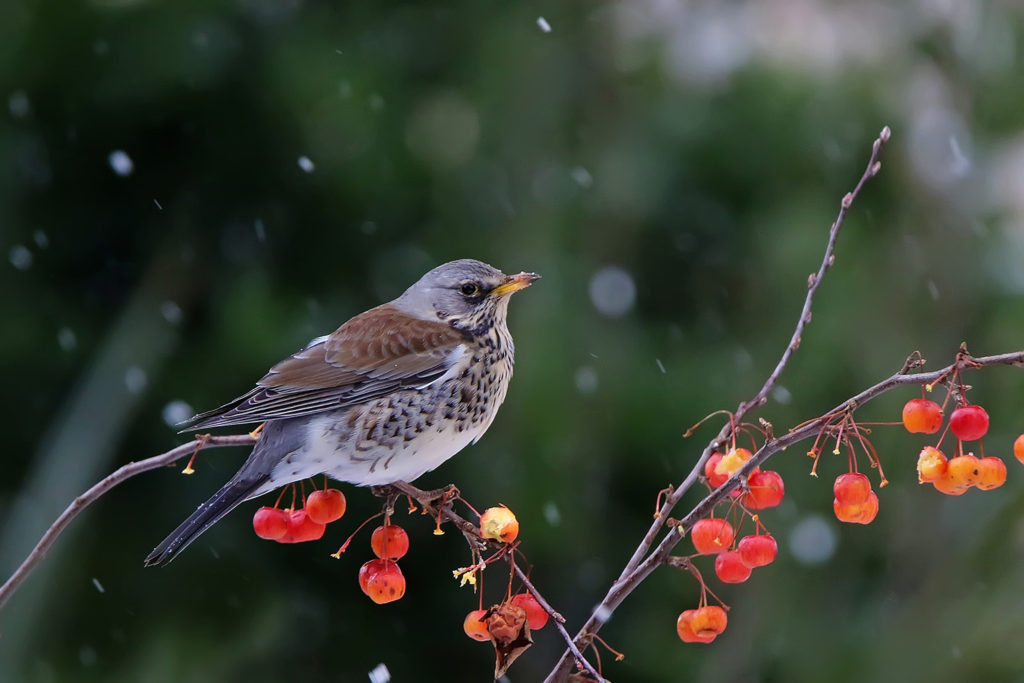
852	488
931	464
732	461
1018	448
862	513
475	625
947	485
963	470
499	524
701	625
991	473
389	542
711	536
766	490
921	416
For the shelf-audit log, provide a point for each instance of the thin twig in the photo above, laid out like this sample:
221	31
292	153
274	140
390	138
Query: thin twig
622	586
104	486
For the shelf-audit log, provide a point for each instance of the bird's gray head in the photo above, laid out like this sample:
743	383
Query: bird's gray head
466	294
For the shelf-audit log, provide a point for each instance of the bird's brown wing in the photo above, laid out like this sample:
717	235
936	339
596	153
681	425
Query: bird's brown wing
369	356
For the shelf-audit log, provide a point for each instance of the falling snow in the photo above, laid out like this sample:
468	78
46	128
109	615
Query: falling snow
135	379
66	339
586	379
812	540
543	24
121	163
612	291
99	586
582	177
306	164
380	674
20	257
552	514
176	412
41	239
19	105
171	312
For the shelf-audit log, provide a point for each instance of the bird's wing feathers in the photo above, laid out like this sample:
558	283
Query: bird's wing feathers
369	356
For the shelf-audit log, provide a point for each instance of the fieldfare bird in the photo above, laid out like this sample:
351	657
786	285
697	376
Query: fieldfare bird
388	396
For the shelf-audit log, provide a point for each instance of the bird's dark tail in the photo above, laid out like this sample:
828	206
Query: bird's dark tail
222	502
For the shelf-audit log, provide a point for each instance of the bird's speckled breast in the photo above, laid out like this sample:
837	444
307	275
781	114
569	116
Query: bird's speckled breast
402	436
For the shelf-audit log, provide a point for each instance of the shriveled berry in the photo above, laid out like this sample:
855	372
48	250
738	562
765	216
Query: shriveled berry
991	473
711	536
969	423
326	505
731	568
389	542
931	464
921	416
852	488
766	490
535	614
475	625
270	523
499	524
757	550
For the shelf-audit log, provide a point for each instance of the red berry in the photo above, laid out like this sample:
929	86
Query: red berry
766	490
387	584
758	550
301	528
945	484
701	625
711	536
270	523
991	473
852	488
1018	448
475	625
731	568
969	423
389	542
325	506
369	569
535	614
921	416
714	478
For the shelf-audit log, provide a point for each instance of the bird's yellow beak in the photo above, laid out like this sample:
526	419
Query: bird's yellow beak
514	283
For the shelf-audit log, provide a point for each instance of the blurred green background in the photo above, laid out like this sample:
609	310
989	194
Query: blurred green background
190	191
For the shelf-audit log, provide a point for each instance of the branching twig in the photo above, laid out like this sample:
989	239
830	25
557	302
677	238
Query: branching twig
627	579
104	486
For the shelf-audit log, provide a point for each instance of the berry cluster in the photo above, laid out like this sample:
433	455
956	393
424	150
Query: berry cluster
308	523
955	476
381	579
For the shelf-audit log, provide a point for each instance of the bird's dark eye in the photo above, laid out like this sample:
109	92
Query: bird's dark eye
469	288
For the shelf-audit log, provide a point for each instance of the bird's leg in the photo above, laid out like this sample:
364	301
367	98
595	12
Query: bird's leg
256	432
201	440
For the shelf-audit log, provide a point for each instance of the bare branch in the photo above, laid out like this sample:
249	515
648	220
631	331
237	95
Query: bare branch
104	486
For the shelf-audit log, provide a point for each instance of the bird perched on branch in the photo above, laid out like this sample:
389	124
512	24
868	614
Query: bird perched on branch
388	396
